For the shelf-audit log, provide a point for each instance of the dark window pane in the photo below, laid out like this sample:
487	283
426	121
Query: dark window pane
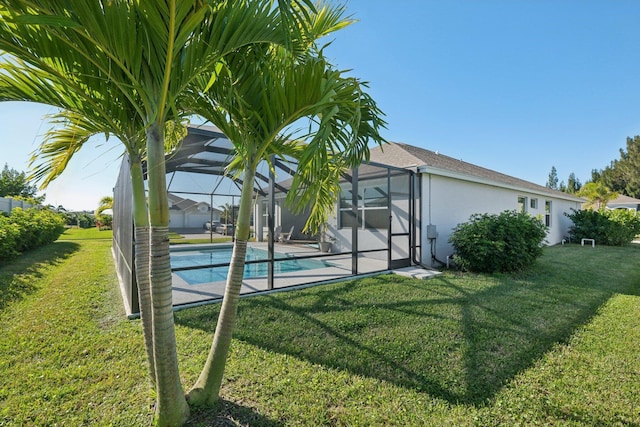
375	197
345	199
376	218
346	219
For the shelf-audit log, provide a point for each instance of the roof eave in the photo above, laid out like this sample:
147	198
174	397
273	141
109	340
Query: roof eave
479	180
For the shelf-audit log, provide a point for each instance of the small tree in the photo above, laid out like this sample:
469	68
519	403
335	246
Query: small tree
16	184
553	179
573	184
509	241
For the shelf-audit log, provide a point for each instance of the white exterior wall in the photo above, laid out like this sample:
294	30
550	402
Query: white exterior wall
8	204
367	240
260	217
447	202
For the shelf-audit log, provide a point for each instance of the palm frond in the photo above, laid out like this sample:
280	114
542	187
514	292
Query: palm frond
259	98
59	145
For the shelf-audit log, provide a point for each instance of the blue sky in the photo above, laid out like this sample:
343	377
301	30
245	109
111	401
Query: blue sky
516	86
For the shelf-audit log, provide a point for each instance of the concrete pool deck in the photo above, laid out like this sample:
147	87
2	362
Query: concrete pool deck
339	268
185	295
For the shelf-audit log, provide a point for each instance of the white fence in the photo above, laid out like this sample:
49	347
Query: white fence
7	205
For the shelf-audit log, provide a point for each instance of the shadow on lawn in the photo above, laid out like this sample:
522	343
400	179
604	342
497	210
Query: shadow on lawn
457	337
227	413
18	276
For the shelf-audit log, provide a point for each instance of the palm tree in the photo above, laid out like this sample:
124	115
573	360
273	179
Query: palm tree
104	204
86	113
271	90
149	53
597	194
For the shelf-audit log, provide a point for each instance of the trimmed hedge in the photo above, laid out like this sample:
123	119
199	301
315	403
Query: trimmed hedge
616	227
26	229
505	242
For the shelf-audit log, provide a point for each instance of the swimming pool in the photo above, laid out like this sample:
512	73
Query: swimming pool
220	255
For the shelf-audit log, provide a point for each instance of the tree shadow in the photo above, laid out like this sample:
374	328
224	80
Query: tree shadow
227	413
18	278
587	418
458	340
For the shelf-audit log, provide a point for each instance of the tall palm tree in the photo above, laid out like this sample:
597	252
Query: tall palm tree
87	112
149	52
268	90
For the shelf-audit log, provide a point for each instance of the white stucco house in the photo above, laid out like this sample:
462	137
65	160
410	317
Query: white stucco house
187	213
397	210
410	199
452	190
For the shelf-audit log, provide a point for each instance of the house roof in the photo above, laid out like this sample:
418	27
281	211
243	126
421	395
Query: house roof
427	161
180	203
207	151
623	200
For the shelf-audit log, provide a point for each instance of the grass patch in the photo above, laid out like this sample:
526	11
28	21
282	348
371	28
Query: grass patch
69	356
86	233
556	345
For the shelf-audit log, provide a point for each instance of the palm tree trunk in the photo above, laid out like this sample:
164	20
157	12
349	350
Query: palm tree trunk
141	221
171	408
206	390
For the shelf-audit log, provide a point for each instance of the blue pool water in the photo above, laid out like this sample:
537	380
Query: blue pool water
223	255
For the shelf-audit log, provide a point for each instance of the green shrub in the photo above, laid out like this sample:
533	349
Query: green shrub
86	220
9	235
26	229
509	241
616	227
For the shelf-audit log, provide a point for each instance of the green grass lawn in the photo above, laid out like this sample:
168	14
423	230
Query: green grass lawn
86	233
94	233
556	345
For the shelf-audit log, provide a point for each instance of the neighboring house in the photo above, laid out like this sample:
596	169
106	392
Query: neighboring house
430	194
187	213
624	202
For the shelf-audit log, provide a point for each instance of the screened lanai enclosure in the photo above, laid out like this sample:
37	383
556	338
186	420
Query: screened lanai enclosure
374	227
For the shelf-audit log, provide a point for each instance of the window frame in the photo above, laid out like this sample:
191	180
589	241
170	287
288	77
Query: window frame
548	205
523	204
344	204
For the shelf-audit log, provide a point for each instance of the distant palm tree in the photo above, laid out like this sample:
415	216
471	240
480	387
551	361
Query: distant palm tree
106	203
227	211
597	194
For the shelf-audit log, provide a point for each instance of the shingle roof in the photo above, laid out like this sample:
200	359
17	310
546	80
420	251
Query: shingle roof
623	200
180	203
408	156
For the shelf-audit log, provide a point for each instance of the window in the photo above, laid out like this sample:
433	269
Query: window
547	213
533	204
522	204
372	205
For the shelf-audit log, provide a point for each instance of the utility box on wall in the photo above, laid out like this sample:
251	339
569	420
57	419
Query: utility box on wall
431	232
